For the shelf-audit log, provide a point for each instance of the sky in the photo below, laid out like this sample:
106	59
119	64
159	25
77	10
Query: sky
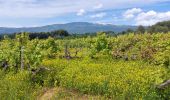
32	13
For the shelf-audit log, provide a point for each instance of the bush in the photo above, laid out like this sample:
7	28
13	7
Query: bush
16	86
120	79
100	45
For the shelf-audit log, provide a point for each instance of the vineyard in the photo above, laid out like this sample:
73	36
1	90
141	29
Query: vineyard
130	66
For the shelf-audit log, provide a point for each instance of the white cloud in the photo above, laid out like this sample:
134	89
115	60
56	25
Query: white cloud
39	12
98	15
98	6
102	23
81	12
130	13
151	17
53	8
145	18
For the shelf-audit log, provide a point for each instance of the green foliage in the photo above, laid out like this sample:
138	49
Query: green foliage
100	45
128	66
9	52
34	51
110	78
160	27
140	29
129	30
150	48
60	33
17	86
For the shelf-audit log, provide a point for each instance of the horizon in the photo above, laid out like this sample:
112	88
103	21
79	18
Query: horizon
36	13
70	23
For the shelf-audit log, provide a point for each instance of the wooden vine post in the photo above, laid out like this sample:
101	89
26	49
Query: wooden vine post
21	51
22	41
67	53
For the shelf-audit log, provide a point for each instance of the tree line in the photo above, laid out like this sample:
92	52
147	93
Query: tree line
41	35
160	27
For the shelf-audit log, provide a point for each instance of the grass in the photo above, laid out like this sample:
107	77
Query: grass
105	74
113	79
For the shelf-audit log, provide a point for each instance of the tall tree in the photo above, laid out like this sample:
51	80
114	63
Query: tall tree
141	29
129	30
60	33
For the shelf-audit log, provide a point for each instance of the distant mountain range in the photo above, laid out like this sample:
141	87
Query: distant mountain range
74	27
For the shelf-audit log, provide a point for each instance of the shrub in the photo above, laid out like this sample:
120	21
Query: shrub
17	86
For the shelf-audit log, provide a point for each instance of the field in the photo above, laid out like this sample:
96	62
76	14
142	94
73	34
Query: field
130	66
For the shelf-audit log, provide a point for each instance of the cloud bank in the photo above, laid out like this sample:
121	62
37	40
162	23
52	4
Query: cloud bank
146	18
52	8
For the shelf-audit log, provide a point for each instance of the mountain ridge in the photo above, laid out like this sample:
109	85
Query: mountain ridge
73	27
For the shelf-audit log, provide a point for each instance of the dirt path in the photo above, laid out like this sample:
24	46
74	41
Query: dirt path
48	94
58	93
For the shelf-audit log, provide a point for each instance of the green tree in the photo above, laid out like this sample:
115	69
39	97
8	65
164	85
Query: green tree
163	29
60	33
141	29
160	27
101	45
129	30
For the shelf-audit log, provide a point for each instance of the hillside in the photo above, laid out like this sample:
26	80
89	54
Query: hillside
163	26
75	27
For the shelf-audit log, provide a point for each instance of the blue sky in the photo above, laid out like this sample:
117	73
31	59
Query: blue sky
28	13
